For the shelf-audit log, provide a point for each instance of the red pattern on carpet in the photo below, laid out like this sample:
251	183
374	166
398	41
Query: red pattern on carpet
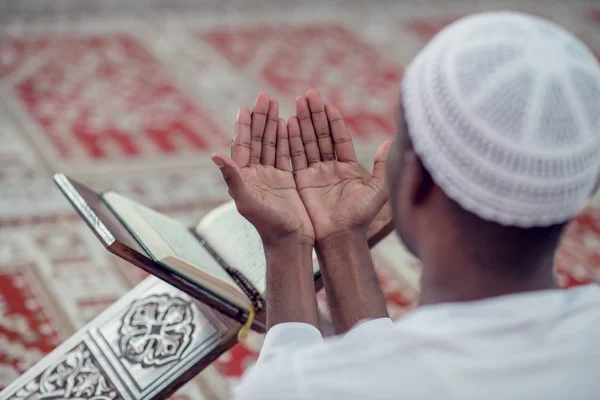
139	104
296	59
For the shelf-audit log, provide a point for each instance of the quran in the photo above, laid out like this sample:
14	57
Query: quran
223	253
220	261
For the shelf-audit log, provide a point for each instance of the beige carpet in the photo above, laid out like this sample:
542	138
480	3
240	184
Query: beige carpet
135	96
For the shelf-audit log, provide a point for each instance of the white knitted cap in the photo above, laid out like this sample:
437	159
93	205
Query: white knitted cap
503	109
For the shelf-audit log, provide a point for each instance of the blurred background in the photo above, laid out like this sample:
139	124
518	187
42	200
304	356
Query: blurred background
135	95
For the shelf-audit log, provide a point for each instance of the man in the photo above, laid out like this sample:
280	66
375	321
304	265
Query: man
497	149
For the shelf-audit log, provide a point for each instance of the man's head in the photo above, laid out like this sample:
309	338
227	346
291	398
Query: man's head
498	142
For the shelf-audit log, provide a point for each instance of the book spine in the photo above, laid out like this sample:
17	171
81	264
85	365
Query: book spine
84	209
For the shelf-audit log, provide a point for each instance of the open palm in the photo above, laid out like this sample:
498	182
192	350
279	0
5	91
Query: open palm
328	177
259	175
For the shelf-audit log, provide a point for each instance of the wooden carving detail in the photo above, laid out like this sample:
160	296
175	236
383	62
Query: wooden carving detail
76	375
156	330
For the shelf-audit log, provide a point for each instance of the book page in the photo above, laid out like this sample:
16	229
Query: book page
238	243
164	237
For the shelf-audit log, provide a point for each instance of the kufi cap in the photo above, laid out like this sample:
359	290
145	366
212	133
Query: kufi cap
503	109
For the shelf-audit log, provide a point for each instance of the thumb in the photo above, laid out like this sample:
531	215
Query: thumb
378	181
231	174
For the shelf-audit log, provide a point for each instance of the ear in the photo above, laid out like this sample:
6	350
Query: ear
419	184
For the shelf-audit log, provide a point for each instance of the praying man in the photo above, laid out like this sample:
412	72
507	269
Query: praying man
497	149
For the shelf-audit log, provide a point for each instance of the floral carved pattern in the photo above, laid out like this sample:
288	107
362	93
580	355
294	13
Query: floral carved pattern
75	376
156	330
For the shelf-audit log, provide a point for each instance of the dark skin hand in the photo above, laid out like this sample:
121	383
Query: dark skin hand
261	182
341	204
328	176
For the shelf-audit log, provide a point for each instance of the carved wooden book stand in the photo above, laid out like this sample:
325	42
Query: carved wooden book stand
151	341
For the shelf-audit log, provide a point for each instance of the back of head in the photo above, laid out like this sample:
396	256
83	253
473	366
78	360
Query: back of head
504	111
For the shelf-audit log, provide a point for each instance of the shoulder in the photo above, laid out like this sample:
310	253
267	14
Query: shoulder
370	356
376	359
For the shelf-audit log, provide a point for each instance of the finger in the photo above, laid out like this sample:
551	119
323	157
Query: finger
296	146
240	148
231	174
257	128
283	147
342	141
311	148
378	182
269	140
321	125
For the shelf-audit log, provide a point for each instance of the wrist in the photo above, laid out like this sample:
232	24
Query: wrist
343	239
295	243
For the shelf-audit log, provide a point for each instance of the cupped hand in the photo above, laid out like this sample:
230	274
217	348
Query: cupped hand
259	175
328	177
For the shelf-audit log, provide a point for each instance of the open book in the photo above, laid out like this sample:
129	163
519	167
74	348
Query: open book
223	253
220	262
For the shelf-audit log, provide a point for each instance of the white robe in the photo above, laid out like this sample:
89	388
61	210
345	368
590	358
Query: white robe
534	346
